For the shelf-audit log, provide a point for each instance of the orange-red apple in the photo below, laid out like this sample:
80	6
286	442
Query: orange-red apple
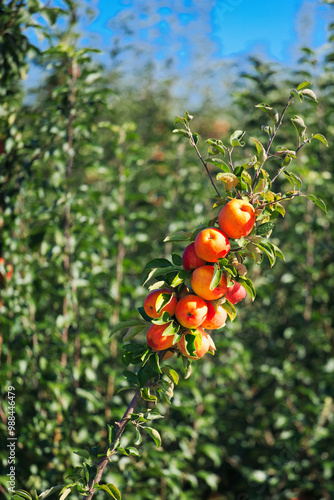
236	218
151	303
191	311
9	269
214	320
236	293
212	244
203	343
157	340
190	258
201	280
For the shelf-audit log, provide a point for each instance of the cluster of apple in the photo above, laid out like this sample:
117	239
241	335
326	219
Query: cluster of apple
197	308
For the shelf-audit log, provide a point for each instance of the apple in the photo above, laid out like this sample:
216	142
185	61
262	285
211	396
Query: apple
203	343
157	340
236	293
190	258
151	303
214	319
191	311
237	218
201	280
212	244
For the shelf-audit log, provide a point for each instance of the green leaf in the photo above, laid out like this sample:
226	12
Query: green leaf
178	119
180	131
48	492
264	228
218	145
160	271
299	125
248	285
216	277
303	85
318	201
222	164
138	438
82	453
162	300
179	236
65	493
154	435
309	93
131	378
187	116
171	374
154	362
111	433
320	138
25	494
235	138
189	343
271	112
133	331
180	278
147	396
293	178
132	451
296	94
111	489
230	180
261	152
268	249
177	259
230	309
278	252
157	263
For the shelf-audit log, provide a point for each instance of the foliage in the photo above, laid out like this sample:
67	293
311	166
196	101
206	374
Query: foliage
92	181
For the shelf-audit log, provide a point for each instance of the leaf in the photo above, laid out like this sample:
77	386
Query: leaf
218	145
299	125
261	152
264	228
271	112
230	309
248	285
154	363
187	116
268	250
131	378
293	178
65	494
111	489
178	236
160	271
234	138
171	374
303	85
178	119
133	331
48	492
162	300
222	164
216	277
309	93
154	435
177	259
296	94
132	451
157	263
111	433
83	453
320	138
180	131
139	437
230	180
318	201
147	396
180	278
25	494
278	252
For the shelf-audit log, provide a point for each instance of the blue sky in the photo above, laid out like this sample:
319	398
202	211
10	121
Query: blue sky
231	27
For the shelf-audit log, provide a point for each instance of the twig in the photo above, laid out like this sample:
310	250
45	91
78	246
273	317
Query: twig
192	142
271	140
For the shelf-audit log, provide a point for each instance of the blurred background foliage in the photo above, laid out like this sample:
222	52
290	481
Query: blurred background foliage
92	180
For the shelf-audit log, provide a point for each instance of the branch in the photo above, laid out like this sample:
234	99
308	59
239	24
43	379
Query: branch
192	142
271	140
101	462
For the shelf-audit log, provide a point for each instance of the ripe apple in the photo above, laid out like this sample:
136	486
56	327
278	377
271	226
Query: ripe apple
237	218
203	343
151	303
191	311
236	293
200	283
157	340
212	244
190	258
9	269
214	320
